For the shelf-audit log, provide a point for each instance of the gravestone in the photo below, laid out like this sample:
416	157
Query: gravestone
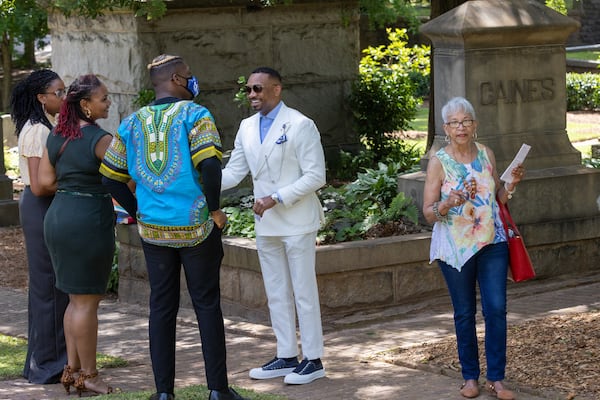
508	59
9	208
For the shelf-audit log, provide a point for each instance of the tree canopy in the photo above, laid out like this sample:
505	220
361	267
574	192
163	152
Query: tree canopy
21	21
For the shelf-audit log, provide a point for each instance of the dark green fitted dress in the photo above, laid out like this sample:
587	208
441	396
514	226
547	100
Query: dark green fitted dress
79	227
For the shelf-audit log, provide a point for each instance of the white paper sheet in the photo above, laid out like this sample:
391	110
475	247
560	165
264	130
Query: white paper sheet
519	159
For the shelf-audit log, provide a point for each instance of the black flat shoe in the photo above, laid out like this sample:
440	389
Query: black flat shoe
162	396
230	395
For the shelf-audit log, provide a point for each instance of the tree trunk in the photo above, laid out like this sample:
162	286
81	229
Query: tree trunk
7	71
29	53
438	7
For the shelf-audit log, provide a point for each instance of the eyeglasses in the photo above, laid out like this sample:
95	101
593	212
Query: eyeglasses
58	93
455	124
255	88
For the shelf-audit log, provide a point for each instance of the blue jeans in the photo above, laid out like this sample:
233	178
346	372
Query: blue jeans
488	268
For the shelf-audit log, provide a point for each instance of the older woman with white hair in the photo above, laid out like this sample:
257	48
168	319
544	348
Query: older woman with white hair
469	243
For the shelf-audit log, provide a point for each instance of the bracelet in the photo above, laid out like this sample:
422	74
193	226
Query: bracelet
438	215
509	192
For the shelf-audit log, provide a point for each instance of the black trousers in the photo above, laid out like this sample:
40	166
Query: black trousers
202	264
46	348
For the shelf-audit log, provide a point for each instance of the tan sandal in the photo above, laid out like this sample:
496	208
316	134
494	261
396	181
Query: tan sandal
91	383
497	389
470	389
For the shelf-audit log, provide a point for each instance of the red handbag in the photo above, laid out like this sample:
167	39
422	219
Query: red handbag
520	264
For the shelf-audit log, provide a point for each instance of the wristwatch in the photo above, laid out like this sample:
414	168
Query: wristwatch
275	197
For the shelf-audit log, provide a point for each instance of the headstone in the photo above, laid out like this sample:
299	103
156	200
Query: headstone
9	208
8	129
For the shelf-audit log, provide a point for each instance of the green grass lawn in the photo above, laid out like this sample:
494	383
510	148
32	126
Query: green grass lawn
579	132
13	351
421	119
12	357
584	55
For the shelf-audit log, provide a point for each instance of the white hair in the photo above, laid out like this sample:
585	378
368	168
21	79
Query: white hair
457	104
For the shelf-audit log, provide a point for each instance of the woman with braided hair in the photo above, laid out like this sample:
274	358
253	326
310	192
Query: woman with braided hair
79	225
34	103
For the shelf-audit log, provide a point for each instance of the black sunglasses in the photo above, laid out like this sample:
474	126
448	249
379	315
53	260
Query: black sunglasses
256	88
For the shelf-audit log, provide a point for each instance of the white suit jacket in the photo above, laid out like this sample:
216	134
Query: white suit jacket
290	161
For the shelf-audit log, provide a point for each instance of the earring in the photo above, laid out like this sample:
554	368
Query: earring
475	135
44	108
447	139
87	112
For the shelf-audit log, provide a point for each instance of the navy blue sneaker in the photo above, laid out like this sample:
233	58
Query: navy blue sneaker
274	368
306	372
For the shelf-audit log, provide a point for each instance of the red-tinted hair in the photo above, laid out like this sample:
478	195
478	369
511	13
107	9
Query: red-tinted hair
70	111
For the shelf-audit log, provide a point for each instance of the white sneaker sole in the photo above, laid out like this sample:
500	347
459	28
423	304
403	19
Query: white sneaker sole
297	379
259	373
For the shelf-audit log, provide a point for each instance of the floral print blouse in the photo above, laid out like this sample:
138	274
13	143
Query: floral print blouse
475	223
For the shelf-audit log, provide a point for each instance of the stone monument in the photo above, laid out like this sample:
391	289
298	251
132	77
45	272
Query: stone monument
508	59
9	207
313	44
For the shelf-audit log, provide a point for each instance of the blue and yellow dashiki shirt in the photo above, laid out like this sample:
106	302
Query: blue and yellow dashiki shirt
159	147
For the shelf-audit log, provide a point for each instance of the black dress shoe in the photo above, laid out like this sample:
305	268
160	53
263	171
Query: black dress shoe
162	396
230	395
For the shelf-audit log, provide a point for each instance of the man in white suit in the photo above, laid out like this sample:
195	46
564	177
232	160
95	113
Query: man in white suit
281	149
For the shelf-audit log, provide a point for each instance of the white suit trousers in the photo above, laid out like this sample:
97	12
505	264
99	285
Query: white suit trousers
288	270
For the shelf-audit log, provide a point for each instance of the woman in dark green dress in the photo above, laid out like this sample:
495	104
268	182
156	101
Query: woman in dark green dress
78	227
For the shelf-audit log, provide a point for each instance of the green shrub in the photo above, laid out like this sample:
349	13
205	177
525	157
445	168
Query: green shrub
583	91
240	221
348	165
383	99
591	162
401	207
351	211
354	210
240	97
144	97
240	217
557	5
113	278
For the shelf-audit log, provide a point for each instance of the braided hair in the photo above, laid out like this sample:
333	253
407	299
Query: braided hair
162	67
71	112
24	103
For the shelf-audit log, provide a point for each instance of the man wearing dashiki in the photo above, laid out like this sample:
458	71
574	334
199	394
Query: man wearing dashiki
171	149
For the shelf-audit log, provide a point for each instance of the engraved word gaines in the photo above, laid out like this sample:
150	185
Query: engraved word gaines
514	91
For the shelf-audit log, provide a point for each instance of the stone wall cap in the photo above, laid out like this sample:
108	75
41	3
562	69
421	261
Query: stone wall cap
481	20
